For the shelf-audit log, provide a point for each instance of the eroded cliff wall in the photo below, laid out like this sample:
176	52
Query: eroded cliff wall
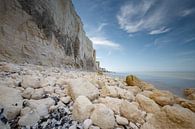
44	32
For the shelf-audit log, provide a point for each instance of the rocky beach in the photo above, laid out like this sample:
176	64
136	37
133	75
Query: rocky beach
50	79
42	97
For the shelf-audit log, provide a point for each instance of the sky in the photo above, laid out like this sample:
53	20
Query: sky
141	35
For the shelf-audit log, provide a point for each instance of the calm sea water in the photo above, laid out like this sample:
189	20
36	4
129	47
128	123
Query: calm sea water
175	82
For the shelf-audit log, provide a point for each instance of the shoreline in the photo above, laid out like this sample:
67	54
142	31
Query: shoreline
51	97
173	84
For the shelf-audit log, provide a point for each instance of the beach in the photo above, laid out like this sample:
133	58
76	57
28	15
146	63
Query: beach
34	96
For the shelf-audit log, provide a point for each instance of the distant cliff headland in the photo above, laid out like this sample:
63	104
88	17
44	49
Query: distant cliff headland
44	32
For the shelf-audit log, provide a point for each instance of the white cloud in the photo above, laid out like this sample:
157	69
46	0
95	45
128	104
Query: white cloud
186	12
150	16
189	40
101	41
131	35
98	58
162	42
101	26
135	17
160	31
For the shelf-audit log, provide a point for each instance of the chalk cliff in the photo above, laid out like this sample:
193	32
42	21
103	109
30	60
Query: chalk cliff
44	32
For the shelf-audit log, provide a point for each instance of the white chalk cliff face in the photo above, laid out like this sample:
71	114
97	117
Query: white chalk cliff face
45	32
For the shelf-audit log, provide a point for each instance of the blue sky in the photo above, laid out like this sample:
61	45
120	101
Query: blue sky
141	35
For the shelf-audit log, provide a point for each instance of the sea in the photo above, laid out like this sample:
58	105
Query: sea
174	81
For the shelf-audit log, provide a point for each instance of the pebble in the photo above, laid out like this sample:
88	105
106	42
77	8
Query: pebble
66	99
94	127
133	126
121	120
138	125
73	126
87	123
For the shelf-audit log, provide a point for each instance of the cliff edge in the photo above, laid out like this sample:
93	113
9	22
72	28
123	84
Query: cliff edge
44	32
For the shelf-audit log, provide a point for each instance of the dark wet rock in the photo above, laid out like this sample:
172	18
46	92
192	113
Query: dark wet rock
56	99
3	119
59	118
